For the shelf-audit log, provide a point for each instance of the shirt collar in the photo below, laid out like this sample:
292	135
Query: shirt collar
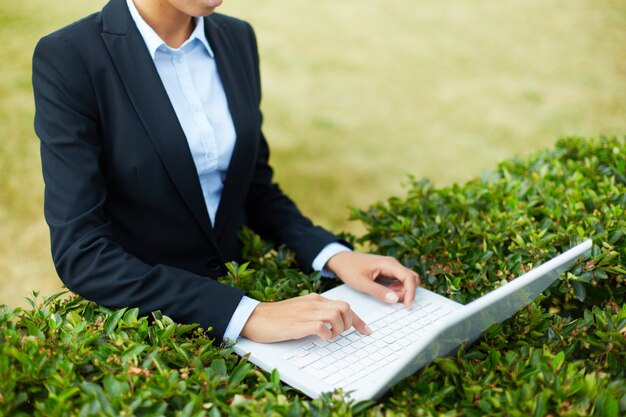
153	41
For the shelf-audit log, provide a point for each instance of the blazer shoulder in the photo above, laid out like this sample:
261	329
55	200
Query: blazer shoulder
230	23
82	31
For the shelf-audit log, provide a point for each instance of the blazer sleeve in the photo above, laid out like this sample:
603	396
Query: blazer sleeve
85	253
270	212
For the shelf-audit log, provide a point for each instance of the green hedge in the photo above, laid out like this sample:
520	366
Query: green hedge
563	355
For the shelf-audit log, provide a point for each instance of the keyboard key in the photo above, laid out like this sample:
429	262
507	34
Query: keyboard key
360	353
333	347
405	331
321	343
355	367
367	361
431	308
301	353
394	326
332	369
379	335
361	374
386	351
443	311
306	361
404	342
389	309
323	351
318	373
343	341
308	346
424	320
289	355
340	354
403	322
377	326
380	344
354	337
373	317
349	349
403	351
400	314
349	331
370	348
334	379
350	359
327	360
387	330
359	344
414	337
349	383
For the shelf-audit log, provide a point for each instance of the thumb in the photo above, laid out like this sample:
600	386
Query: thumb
380	292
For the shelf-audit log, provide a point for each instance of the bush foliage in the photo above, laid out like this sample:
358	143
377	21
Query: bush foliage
563	355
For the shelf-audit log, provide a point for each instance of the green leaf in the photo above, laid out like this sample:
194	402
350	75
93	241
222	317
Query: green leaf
448	366
96	392
239	373
579	290
182	329
362	406
133	351
610	407
33	330
114	388
242	268
131	315
541	405
275	377
219	366
111	322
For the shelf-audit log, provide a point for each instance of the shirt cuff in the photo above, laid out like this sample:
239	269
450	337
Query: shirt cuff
324	256
239	319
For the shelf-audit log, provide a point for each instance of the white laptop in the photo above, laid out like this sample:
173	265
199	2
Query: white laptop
402	341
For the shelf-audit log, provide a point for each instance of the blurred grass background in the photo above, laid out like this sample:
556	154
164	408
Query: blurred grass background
358	94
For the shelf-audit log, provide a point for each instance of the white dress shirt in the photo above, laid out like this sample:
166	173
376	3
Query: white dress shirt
189	75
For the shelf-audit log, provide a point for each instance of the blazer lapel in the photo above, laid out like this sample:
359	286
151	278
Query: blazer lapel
149	98
244	112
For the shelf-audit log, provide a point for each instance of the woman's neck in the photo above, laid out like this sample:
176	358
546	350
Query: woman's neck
172	25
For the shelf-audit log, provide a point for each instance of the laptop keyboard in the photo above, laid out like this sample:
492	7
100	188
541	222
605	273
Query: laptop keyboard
352	356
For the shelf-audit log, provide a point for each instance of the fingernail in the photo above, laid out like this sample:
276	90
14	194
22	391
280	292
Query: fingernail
391	297
368	331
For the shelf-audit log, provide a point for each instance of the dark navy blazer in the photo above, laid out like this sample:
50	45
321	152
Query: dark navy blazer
129	225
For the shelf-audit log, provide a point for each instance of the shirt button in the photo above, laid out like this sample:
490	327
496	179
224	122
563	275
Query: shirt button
179	58
196	108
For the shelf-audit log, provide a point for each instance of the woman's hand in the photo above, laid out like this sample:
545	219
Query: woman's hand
299	317
361	271
313	314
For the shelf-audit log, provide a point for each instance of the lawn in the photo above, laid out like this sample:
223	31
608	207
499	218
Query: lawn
358	94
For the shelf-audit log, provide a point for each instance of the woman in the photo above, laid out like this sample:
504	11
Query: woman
153	158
